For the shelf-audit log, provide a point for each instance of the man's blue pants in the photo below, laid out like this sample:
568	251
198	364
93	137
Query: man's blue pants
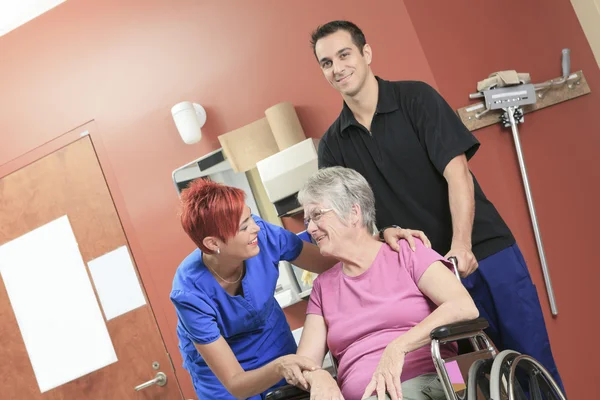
506	296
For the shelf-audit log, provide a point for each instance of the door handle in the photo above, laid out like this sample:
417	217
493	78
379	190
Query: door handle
160	379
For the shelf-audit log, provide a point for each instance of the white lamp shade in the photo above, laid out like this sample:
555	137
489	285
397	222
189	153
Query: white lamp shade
189	119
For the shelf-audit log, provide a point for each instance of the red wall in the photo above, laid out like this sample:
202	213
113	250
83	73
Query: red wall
124	64
559	145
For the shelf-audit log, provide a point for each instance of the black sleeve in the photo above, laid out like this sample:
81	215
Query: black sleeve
439	128
325	157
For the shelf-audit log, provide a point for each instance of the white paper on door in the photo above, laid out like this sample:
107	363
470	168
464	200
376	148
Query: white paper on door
116	283
54	304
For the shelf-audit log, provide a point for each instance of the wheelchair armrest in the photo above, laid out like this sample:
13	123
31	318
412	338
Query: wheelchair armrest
288	392
459	328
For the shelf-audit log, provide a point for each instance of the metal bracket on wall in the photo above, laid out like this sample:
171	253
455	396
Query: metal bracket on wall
508	105
574	86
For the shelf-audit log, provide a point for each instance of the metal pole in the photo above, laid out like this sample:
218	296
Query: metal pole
538	238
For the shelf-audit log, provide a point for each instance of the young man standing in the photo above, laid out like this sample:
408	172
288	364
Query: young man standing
413	149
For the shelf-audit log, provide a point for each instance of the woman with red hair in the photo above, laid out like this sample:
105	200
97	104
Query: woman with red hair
233	335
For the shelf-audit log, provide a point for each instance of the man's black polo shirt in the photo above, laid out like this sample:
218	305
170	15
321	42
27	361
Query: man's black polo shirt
414	135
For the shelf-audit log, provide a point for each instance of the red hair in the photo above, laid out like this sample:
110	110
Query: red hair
211	209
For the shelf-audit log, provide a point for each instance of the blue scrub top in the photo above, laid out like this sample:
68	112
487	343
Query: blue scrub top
253	325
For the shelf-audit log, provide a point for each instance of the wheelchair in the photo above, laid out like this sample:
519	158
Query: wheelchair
490	375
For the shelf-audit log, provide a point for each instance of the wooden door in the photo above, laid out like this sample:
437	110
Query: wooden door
70	182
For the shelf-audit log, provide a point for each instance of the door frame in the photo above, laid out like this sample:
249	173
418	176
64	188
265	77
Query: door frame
90	129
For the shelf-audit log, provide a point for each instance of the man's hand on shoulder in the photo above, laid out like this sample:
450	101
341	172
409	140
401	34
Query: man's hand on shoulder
391	235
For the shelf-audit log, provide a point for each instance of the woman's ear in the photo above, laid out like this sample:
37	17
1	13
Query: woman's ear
355	214
211	243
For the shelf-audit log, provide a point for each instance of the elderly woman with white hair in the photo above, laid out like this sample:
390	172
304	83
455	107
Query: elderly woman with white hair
374	310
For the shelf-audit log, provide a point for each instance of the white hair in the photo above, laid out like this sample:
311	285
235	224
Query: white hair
341	188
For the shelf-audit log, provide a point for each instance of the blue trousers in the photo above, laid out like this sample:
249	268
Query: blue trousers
506	296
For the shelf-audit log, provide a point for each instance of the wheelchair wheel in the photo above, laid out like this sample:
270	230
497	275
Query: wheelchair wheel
512	372
498	388
478	378
541	384
500	378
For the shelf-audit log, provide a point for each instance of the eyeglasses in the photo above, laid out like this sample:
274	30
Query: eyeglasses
316	215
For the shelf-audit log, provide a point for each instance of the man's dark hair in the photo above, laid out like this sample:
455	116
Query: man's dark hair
358	37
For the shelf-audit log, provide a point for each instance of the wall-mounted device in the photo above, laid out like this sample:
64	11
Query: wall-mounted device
189	119
507	98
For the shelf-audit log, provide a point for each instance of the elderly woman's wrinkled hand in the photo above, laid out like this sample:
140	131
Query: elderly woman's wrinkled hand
386	378
323	386
393	235
291	367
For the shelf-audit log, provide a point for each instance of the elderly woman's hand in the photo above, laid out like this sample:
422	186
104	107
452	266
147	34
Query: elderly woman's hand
386	378
393	235
291	367
323	386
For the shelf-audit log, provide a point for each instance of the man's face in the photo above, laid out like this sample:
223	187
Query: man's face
342	63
